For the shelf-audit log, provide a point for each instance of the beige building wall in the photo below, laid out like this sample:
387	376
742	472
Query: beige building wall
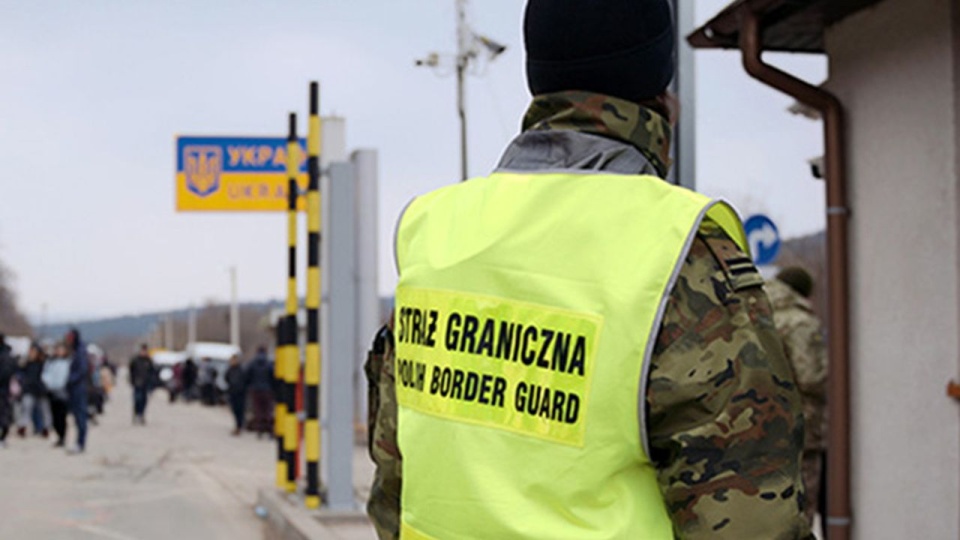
894	68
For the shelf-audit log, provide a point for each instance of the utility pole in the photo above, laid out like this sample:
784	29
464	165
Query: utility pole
234	310
469	46
192	325
168	333
463	48
684	86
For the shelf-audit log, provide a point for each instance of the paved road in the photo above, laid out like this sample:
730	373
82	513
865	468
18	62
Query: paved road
182	476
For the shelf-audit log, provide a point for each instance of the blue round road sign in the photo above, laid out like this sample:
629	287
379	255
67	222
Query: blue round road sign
763	238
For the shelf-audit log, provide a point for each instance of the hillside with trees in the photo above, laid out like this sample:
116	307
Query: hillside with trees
119	336
12	320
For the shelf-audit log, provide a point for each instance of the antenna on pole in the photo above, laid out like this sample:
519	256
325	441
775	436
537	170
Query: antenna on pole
469	46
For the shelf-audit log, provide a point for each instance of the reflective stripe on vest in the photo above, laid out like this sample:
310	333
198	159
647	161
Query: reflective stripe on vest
526	312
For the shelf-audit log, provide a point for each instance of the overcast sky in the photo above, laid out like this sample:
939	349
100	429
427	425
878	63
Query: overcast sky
93	93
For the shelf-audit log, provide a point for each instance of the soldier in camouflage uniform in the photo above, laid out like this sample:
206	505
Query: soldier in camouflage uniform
724	418
804	347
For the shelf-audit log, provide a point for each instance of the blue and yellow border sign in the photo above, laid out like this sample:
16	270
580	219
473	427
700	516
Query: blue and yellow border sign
239	174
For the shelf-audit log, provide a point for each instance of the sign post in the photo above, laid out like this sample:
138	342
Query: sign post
290	346
312	365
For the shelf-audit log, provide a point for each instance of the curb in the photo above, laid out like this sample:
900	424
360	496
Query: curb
284	522
287	519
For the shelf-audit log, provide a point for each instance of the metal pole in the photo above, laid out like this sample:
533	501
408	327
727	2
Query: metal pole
684	85
339	335
312	369
291	357
280	403
234	310
368	298
461	110
168	333
462	59
192	325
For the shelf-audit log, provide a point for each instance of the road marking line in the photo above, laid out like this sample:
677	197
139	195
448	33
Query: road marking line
149	497
106	533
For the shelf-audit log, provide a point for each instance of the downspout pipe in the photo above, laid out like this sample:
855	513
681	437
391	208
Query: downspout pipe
838	521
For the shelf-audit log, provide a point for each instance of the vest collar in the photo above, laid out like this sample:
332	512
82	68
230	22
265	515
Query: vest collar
565	150
605	116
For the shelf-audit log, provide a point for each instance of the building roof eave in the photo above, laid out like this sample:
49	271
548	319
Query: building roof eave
788	25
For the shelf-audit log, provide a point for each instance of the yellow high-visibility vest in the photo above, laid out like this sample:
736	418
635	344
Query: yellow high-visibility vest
526	312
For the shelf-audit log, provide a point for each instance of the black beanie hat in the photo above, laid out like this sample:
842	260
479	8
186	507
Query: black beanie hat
621	48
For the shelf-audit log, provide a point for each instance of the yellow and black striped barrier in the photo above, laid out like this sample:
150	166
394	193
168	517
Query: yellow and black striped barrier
291	356
313	356
280	406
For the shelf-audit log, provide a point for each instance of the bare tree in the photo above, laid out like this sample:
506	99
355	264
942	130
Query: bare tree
12	320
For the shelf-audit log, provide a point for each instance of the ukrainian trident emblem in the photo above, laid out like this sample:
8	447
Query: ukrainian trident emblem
202	167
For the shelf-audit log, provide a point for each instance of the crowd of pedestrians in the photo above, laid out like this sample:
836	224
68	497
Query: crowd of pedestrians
248	388
42	389
195	381
47	386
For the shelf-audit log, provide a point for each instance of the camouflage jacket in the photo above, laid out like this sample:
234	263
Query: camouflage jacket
723	413
804	347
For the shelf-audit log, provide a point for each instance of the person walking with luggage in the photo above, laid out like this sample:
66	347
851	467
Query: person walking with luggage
189	380
207	381
259	379
237	393
77	384
34	405
141	375
56	372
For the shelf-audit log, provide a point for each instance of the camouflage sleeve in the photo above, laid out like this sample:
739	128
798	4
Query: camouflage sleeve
383	507
724	416
803	342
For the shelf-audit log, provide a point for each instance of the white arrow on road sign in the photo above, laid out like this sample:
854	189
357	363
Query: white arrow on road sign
763	238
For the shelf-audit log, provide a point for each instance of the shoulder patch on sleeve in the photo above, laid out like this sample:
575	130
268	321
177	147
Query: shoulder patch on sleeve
736	265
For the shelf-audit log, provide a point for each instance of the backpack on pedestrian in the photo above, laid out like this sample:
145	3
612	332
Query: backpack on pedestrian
56	372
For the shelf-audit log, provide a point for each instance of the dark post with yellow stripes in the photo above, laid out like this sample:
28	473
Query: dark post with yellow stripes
291	356
280	406
313	357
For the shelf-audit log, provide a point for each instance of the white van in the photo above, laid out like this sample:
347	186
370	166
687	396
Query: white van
219	355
